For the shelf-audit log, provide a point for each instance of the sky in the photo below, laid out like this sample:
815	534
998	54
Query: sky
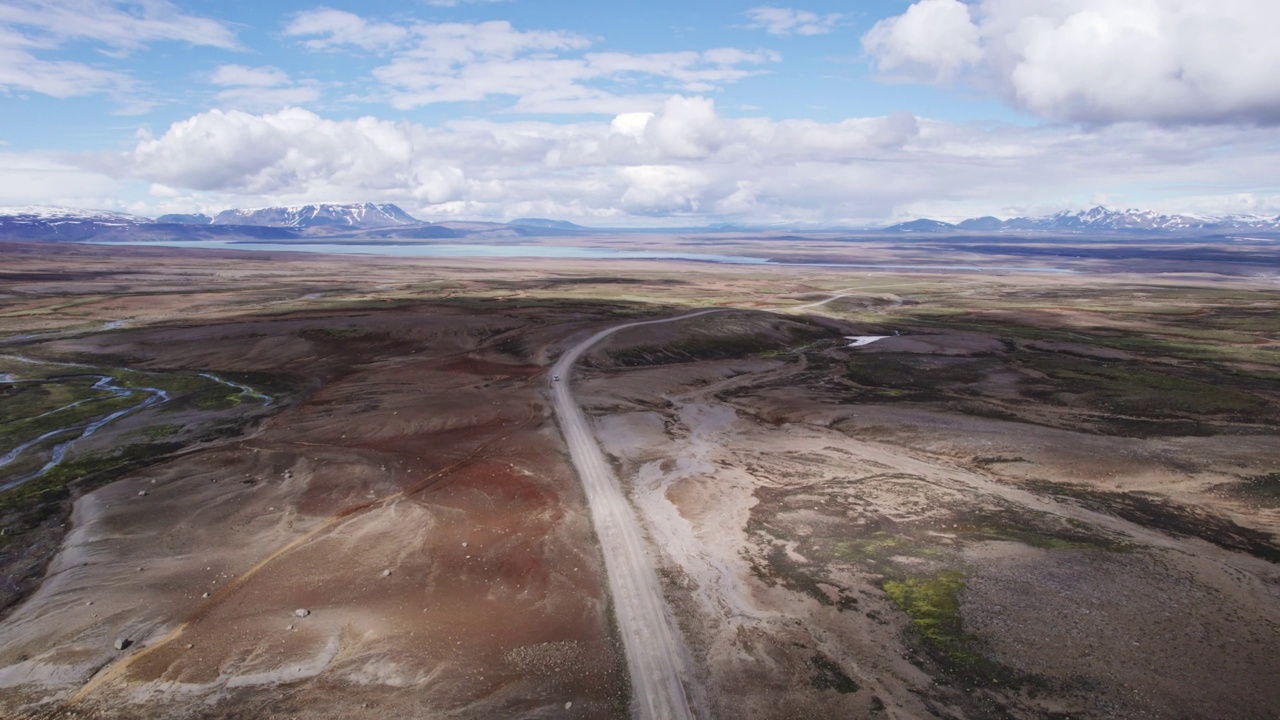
644	114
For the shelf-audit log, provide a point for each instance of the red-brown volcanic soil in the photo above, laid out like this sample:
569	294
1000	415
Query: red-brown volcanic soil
413	498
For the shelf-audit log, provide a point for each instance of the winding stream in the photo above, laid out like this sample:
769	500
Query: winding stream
155	396
244	389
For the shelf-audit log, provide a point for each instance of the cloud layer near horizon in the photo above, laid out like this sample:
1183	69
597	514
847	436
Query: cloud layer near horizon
685	160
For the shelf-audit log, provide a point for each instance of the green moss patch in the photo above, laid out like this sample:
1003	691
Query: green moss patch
932	603
809	538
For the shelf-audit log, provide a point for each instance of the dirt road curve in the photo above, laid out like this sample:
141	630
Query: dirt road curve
652	644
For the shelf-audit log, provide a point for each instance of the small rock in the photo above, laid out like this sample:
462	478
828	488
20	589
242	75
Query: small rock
205	595
189	646
142	492
568	705
122	643
290	627
464	544
386	573
302	612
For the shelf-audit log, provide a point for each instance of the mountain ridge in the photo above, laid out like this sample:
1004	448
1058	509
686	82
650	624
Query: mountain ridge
387	221
350	215
1096	218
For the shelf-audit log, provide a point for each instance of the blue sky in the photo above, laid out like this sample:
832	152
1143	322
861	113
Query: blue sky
643	114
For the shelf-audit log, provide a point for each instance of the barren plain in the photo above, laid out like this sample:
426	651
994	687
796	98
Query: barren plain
1038	495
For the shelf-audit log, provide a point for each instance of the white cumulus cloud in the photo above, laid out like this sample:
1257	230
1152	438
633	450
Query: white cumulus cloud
933	40
1096	61
685	160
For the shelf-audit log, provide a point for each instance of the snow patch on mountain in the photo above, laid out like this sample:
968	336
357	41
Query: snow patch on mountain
354	215
54	214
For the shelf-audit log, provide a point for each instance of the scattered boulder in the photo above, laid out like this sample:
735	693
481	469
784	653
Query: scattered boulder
302	612
122	643
386	573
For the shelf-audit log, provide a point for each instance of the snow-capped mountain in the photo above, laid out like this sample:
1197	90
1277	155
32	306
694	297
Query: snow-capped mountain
1098	219
58	224
47	214
360	215
35	222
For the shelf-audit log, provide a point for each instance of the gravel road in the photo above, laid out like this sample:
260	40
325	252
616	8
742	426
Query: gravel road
650	639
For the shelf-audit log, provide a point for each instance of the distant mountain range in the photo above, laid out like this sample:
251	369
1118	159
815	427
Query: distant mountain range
369	221
184	219
386	222
1096	220
548	224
